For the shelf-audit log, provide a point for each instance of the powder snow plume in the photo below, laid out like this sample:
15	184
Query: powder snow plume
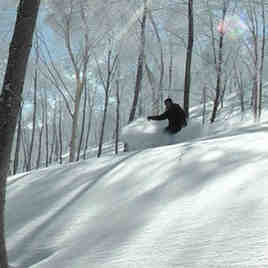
142	134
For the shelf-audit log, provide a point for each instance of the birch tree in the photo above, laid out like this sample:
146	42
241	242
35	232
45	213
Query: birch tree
64	21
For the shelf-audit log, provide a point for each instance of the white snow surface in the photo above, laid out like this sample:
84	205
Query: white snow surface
202	203
142	134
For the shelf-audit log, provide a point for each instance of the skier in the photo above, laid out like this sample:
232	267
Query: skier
175	115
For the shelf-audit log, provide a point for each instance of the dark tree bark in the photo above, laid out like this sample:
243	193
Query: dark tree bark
111	68
240	85
46	129
139	74
204	97
38	160
256	24
263	45
83	124
117	125
10	98
60	134
219	68
187	79
54	137
90	107
25	146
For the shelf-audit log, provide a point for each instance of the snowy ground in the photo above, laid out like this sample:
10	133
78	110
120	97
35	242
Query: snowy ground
198	203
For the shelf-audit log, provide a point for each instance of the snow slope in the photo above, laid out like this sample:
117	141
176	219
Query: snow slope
201	203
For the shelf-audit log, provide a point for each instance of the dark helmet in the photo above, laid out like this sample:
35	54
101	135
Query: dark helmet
168	100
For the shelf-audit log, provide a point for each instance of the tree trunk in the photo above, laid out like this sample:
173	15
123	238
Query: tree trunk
38	160
111	67
90	105
75	120
152	83
204	106
262	59
241	96
10	99
34	122
83	126
25	146
103	126
219	69
187	79
170	68
238	77
60	133
54	137
162	65
117	116
46	129
139	74
18	142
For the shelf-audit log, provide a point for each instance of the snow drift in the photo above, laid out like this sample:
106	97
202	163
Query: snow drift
142	134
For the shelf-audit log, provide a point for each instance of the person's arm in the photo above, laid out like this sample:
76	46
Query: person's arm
162	116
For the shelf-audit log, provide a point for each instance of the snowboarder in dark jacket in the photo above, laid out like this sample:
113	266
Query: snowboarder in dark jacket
175	115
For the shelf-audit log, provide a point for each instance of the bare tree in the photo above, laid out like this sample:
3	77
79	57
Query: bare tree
90	106
34	109
10	98
189	52
204	100
140	65
152	82
170	66
111	70
83	123
240	85
255	44
25	145
60	132
80	81
263	45
18	143
79	54
158	95
219	62
117	122
53	144
41	130
46	126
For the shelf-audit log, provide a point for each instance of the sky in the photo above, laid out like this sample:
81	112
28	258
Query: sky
197	202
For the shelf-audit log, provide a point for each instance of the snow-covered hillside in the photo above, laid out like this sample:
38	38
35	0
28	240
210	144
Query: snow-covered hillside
199	203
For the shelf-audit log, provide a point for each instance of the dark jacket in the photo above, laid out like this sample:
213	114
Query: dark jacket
176	117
